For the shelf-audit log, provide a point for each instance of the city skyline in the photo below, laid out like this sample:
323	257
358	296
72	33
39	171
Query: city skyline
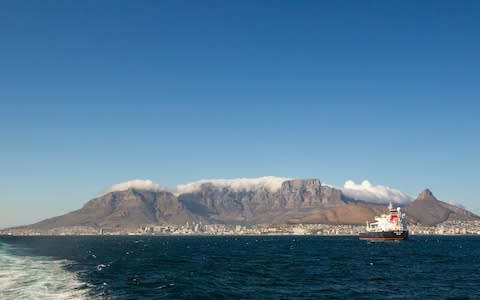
95	94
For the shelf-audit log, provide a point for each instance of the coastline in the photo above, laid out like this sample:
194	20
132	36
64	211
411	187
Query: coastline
452	228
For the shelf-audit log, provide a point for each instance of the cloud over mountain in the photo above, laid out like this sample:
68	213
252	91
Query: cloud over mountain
141	184
374	193
264	200
365	191
270	183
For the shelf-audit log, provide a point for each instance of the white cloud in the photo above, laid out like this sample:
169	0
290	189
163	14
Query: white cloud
374	193
455	203
270	183
140	184
364	191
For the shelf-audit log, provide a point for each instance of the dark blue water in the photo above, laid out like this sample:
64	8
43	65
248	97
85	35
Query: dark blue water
144	267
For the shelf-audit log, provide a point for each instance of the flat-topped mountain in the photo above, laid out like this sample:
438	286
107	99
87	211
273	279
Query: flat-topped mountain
273	201
206	203
293	198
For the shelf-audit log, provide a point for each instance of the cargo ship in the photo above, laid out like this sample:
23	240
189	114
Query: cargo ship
391	226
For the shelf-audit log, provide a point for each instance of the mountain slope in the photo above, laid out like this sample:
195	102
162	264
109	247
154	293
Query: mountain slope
428	210
125	209
355	213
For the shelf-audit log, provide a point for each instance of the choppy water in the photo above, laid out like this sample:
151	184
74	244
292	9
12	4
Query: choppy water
33	277
238	267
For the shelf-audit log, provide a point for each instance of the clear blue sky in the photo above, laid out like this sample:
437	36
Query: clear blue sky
94	93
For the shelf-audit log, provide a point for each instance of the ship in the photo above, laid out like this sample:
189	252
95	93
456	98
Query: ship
391	226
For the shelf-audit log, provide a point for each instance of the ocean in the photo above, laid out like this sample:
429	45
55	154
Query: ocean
238	267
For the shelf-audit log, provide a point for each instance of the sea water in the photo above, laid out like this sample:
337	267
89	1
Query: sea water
35	277
216	267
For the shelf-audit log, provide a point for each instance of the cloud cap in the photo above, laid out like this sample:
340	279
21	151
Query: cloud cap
270	183
368	192
140	184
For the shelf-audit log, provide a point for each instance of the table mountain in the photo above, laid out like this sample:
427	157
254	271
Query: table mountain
295	197
295	201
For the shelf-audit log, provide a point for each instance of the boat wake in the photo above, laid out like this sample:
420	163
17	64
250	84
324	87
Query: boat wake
29	277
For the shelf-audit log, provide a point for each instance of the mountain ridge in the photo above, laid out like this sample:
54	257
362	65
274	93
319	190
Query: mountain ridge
295	201
428	210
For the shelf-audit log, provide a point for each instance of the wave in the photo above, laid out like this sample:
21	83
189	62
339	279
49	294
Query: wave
30	277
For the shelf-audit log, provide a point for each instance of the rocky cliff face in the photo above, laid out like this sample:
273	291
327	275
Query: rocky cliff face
261	205
309	194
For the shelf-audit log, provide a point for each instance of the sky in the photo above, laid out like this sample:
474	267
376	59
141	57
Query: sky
95	93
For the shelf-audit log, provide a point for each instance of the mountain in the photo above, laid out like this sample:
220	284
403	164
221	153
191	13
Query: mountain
294	198
425	210
209	203
354	213
125	209
428	210
289	201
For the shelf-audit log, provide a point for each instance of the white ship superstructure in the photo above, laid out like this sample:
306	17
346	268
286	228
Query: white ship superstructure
389	226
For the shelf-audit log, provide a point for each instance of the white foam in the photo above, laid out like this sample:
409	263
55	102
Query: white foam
27	277
270	183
